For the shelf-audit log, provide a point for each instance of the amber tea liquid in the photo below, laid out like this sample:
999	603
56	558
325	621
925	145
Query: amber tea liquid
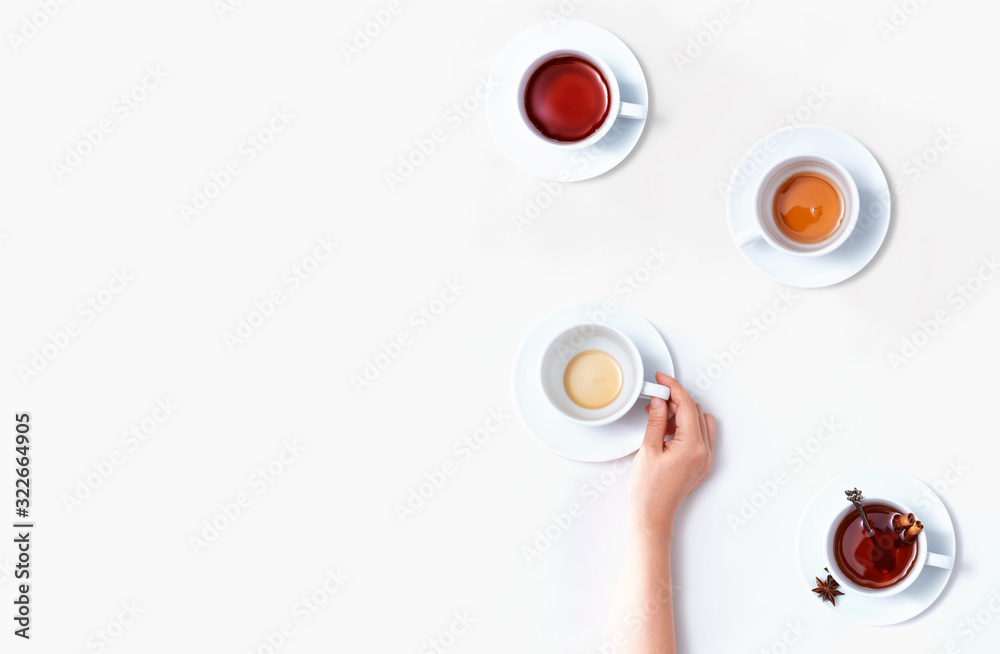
808	208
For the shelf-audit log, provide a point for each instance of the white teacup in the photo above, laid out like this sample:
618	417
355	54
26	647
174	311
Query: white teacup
616	106
924	556
594	336
765	222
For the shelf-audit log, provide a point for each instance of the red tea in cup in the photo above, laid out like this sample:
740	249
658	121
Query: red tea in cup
567	98
875	564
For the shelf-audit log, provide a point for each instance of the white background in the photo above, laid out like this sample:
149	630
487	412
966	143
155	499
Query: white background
324	176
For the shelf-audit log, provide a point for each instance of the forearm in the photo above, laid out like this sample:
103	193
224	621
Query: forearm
663	474
649	592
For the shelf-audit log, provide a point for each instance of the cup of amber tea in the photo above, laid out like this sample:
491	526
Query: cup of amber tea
807	206
883	563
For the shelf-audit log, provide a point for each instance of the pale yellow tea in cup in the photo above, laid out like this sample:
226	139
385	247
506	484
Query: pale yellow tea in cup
593	379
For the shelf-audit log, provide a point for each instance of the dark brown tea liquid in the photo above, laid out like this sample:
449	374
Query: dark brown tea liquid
878	564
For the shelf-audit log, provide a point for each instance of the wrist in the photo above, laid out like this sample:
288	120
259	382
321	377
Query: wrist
649	552
647	528
652	518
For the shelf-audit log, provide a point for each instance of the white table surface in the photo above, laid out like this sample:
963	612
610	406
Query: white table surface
323	176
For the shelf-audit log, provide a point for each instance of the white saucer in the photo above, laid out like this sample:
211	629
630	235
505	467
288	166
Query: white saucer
527	150
873	221
551	428
830	500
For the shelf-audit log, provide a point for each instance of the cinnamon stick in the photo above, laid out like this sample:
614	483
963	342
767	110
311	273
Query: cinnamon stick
901	522
913	531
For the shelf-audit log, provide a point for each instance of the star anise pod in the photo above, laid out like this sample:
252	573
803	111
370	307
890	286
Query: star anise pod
827	590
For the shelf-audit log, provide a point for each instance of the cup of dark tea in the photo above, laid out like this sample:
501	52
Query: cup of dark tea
805	205
570	99
885	564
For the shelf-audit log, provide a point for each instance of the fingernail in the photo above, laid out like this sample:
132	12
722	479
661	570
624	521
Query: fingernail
656	403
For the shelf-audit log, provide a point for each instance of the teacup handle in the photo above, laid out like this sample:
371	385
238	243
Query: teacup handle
630	110
747	236
649	389
940	560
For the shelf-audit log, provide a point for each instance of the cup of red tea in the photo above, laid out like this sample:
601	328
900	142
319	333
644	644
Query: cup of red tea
570	99
806	205
881	566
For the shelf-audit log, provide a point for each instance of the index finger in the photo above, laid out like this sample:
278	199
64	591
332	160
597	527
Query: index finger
687	410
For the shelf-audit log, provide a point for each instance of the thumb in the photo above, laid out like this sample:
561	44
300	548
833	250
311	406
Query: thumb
656	428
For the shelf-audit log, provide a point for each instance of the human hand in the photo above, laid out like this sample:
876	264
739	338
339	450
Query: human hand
664	473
